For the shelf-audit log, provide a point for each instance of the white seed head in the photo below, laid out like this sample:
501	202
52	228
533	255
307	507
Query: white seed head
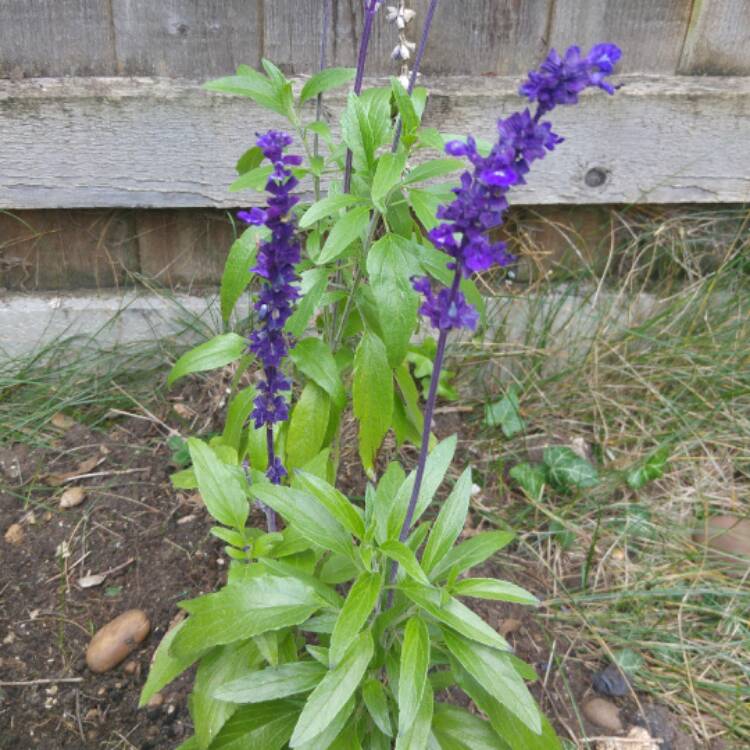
392	14
409	15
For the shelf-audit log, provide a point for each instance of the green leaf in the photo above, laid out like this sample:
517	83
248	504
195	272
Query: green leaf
337	504
505	414
438	462
326	207
376	701
343	233
251	159
449	523
425	204
404	556
307	426
165	666
387	175
325	80
471	552
338	569
313	358
359	604
254	86
390	264
282	568
491	588
415	661
372	394
220	487
237	413
494	670
330	736
418	735
223	664
261	726
218	352
531	477
378	510
514	732
334	691
431	138
256	179
451	612
652	468
432	169
566	468
409	116
455	728
243	610
314	283
272	683
237	273
627	660
306	515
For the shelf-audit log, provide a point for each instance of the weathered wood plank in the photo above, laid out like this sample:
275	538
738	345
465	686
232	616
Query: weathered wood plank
56	38
650	32
189	38
156	143
66	249
718	40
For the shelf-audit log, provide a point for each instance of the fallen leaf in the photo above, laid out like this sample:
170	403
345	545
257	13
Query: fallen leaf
72	497
14	534
89	581
62	421
637	738
90	463
183	411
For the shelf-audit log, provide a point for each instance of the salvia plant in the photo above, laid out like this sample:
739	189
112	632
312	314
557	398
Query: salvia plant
342	623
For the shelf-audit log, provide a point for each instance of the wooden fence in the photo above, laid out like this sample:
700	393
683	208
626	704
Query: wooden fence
101	108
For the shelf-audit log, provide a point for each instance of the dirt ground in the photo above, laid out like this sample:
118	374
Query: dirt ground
154	545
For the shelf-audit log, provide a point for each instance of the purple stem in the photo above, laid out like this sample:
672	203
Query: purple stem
371	7
417	63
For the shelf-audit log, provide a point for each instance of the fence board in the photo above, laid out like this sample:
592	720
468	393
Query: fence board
650	32
188	38
54	38
160	143
718	40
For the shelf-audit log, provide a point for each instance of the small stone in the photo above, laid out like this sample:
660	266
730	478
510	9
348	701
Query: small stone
611	681
509	626
14	534
727	538
131	667
156	700
72	497
116	640
62	421
603	713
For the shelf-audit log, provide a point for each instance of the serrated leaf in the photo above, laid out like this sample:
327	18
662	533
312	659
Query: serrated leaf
244	609
453	613
415	661
334	691
471	552
220	487
358	606
325	80
261	726
491	588
307	425
237	413
406	109
218	352
256	179
372	395
566	469
387	175
337	504
251	159
314	359
494	670
272	683
326	207
237	270
432	169
405	557
313	285
344	232
254	86
449	523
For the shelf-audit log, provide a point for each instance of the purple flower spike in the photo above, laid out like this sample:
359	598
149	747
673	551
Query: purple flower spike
275	264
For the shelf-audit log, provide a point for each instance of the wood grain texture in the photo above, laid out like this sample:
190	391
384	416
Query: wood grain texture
163	144
189	38
650	32
56	38
718	40
66	249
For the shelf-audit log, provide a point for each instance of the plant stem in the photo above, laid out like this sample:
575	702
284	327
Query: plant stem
417	63
429	410
319	101
364	44
271	520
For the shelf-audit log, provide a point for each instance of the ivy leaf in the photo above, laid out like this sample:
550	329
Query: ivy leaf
218	352
652	468
566	469
325	80
531	477
372	394
506	414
